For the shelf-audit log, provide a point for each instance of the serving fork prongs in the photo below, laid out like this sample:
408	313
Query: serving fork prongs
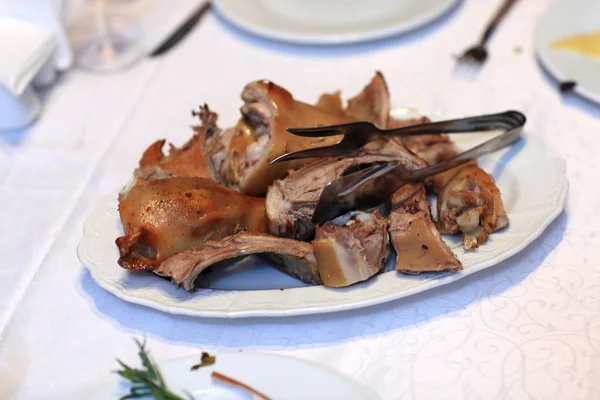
374	185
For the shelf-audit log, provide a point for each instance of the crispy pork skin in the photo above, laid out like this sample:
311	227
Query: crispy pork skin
372	104
351	248
331	103
418	243
240	157
261	136
291	256
164	217
291	201
185	161
188	161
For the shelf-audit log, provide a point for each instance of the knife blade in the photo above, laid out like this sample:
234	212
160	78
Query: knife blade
185	28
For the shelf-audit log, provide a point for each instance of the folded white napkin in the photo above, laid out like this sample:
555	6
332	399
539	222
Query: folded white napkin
24	48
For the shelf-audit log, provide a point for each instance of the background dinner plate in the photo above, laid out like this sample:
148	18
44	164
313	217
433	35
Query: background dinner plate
276	376
566	18
330	21
533	185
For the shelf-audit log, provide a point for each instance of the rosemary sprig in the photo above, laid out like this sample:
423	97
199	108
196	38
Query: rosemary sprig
147	382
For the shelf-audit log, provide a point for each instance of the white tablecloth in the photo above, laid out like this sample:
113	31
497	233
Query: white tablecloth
528	328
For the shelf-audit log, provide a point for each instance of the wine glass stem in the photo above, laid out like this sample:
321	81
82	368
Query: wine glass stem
107	48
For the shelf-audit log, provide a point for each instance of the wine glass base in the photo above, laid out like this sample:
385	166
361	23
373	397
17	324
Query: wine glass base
96	55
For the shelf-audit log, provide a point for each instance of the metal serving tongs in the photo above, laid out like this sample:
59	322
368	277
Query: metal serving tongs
373	186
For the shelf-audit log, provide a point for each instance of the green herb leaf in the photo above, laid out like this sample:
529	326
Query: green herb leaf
147	381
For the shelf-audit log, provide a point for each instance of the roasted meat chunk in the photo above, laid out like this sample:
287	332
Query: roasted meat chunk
291	201
244	153
468	199
372	104
240	156
469	202
351	248
331	103
188	161
164	217
418	244
290	256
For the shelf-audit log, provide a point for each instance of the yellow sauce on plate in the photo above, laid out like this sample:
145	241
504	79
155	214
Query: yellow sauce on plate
587	44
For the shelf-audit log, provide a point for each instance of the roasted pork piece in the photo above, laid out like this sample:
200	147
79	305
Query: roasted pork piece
418	243
186	161
164	217
468	199
372	104
260	136
469	202
351	248
240	156
291	201
291	256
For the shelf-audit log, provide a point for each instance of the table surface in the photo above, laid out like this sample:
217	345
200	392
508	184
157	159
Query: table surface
527	328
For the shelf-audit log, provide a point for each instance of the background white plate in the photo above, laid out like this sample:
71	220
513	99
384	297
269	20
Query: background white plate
276	376
534	189
331	21
566	18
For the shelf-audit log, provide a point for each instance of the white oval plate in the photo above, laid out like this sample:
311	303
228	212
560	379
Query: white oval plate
278	377
566	18
330	21
533	186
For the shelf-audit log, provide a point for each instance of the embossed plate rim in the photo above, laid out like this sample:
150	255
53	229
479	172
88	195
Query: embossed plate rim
98	253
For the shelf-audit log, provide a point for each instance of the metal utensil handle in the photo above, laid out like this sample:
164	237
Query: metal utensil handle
493	24
489	146
505	120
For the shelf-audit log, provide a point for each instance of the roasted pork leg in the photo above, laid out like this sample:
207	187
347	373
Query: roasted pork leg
291	201
164	217
468	199
418	243
351	248
291	256
470	202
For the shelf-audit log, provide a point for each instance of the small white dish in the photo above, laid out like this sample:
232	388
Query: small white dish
18	111
534	189
562	19
278	377
330	21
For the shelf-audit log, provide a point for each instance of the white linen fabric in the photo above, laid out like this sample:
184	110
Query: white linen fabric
526	329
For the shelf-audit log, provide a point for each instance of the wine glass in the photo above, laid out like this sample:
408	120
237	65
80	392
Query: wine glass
108	50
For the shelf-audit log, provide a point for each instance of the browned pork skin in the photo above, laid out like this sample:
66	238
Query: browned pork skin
351	248
291	201
292	257
165	217
372	104
240	156
469	200
260	136
418	244
331	103
185	161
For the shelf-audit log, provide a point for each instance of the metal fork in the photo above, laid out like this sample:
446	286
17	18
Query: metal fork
358	134
373	186
478	53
